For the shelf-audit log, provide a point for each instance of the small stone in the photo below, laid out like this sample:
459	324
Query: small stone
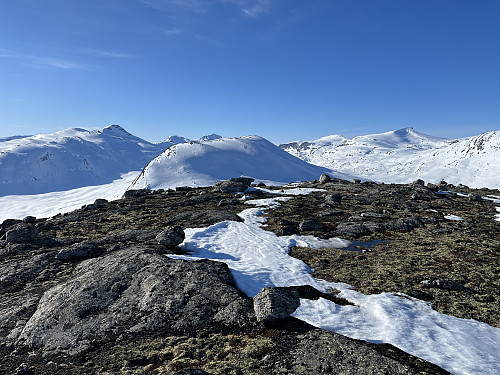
356	181
418	182
171	237
272	304
474	197
24	369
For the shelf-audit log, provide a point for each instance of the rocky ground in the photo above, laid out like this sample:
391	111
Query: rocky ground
404	242
91	292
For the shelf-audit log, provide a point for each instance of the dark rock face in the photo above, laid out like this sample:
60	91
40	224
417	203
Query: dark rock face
129	293
272	304
233	185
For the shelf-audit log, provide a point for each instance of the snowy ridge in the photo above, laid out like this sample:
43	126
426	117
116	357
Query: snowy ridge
70	159
203	163
404	155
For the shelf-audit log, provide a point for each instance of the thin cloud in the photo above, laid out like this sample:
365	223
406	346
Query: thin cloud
106	53
39	61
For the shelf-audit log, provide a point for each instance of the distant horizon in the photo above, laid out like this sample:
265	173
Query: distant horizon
94	128
283	69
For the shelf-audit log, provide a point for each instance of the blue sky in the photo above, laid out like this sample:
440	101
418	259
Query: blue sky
283	69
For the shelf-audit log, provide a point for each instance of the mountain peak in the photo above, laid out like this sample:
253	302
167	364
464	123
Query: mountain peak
115	129
210	137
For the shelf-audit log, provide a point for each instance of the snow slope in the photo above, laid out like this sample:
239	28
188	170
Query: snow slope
258	259
203	163
404	155
70	159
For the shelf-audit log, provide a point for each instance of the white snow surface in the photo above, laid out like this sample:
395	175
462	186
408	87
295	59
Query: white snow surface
69	159
258	259
51	204
404	155
203	163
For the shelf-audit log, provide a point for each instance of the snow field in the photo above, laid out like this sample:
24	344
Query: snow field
258	259
51	204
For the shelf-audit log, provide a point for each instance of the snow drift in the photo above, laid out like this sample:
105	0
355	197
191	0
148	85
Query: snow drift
203	163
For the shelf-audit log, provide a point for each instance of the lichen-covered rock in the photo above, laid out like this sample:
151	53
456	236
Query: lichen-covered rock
272	304
130	292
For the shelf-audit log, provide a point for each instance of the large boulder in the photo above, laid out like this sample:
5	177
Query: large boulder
131	292
233	185
273	304
171	237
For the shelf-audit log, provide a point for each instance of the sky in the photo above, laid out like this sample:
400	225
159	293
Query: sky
282	69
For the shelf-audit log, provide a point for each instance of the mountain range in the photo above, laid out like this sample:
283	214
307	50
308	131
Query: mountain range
404	155
75	158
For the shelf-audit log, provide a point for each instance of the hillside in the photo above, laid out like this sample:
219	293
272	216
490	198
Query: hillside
404	155
69	159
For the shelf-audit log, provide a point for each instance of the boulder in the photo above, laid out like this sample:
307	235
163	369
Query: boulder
171	237
131	293
233	185
82	250
324	178
272	304
21	233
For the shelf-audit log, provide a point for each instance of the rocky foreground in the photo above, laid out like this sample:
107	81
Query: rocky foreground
92	291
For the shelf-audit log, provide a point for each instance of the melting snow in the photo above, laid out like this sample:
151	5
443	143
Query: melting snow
258	258
453	217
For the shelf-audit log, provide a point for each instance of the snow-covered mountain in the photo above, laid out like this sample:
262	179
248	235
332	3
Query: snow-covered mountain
203	163
70	159
404	155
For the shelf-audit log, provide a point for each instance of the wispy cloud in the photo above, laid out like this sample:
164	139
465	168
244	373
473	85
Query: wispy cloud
249	8
107	53
41	61
256	9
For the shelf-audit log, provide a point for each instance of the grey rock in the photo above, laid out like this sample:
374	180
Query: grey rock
29	219
350	229
24	369
130	292
324	178
405	224
82	250
171	237
310	225
233	185
272	304
228	202
22	233
333	199
132	194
